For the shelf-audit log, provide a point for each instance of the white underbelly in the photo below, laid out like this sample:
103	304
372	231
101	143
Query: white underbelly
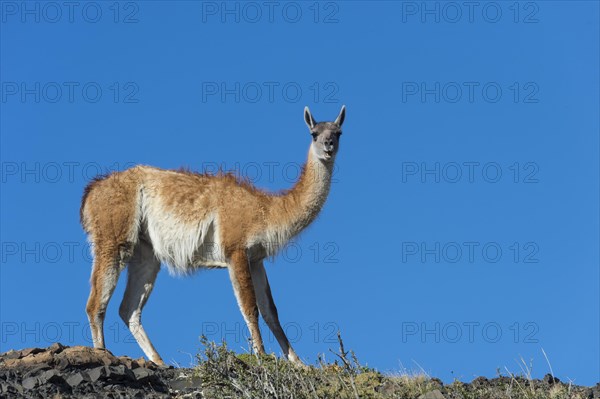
185	247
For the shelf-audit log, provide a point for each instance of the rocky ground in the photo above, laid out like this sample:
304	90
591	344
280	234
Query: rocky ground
63	372
82	372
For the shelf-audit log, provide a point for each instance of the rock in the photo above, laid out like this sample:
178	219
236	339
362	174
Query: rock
95	374
56	347
37	368
18	388
119	373
8	388
75	379
12	354
62	364
128	362
29	361
142	374
30	351
52	376
84	357
435	394
9	375
550	379
30	383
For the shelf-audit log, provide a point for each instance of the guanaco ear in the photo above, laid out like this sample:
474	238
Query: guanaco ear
308	118
340	119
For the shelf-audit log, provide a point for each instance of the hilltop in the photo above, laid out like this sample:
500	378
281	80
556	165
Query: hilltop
65	372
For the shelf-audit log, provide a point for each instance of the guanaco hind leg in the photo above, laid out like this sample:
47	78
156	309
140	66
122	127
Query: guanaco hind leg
105	274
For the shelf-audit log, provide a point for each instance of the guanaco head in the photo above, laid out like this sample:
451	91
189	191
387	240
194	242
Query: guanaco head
326	135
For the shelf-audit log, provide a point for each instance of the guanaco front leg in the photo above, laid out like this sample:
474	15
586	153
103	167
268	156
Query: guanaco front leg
241	279
142	271
267	308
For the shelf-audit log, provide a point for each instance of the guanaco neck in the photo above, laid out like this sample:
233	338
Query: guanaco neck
294	210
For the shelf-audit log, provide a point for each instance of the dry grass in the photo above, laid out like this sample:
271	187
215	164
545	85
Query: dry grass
225	374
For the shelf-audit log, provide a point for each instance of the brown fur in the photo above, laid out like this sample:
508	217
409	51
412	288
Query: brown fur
86	193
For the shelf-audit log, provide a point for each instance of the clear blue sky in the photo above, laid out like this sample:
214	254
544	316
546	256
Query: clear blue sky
461	233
